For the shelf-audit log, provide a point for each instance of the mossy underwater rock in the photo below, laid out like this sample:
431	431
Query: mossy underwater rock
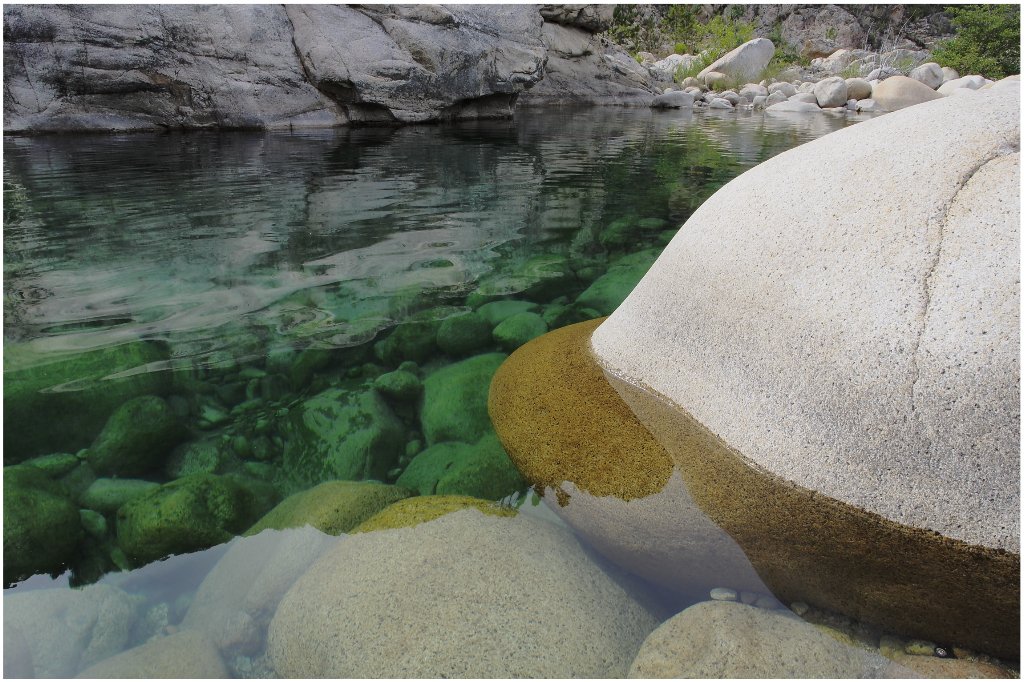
136	438
840	388
415	338
42	528
333	507
187	515
463	333
454	404
399	385
518	329
610	289
341	435
497	312
599	469
549	275
482	470
417	510
107	495
62	405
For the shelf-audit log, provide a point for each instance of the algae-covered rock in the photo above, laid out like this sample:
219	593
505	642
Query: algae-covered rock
41	525
415	337
498	311
55	465
136	438
333	507
62	405
482	470
107	495
612	288
549	275
341	435
618	232
519	329
187	515
464	333
399	385
416	510
454	403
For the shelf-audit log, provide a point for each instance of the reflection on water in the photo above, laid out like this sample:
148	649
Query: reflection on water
211	322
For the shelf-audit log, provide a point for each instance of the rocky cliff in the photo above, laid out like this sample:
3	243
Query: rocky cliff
142	67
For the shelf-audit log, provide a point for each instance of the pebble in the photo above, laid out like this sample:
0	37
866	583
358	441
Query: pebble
920	647
766	601
749	597
723	594
799	608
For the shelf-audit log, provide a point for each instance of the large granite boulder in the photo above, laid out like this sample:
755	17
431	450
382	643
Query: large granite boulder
746	62
374	606
68	631
900	92
412	63
61	404
183	655
857	362
721	639
41	525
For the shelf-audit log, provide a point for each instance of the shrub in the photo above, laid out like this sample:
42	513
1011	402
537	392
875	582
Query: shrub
987	41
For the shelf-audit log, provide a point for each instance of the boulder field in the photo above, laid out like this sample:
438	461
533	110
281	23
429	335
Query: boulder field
150	67
838	387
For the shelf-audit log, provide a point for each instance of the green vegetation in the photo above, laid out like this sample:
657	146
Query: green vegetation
987	41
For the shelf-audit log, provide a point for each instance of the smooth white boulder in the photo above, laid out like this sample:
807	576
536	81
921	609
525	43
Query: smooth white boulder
870	106
807	97
791	106
858	88
786	89
829	344
775	98
673	100
972	82
744	63
831	92
900	92
930	74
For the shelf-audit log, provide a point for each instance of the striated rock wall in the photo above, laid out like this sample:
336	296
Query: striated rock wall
74	68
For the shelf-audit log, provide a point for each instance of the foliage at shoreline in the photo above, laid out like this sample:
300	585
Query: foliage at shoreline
987	41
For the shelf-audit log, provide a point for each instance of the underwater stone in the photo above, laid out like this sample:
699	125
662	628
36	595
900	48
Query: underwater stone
497	312
136	438
207	456
463	333
42	527
718	639
39	420
187	515
333	507
723	594
182	655
519	329
310	360
341	435
618	233
55	465
70	630
93	523
401	620
612	288
274	387
454	403
482	470
399	385
106	495
415	338
549	275
417	510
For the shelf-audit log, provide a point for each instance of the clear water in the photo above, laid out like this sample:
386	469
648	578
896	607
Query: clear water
232	248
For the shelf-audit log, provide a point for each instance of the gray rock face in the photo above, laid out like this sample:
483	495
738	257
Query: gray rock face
140	67
594	18
745	62
930	74
411	63
719	639
831	92
673	100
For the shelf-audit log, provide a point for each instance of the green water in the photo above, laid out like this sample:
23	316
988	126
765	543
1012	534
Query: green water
265	288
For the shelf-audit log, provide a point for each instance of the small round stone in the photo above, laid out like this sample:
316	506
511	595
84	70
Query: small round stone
799	608
749	597
766	601
723	594
920	647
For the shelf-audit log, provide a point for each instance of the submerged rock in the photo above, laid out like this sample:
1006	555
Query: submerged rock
379	594
183	655
333	507
341	435
454	403
400	385
497	312
483	470
718	639
107	495
192	513
417	510
518	329
68	631
464	333
62	405
612	288
41	525
136	438
818	339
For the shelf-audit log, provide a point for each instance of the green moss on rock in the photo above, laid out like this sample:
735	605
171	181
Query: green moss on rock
609	290
454	404
417	510
136	438
464	333
334	507
518	330
399	385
